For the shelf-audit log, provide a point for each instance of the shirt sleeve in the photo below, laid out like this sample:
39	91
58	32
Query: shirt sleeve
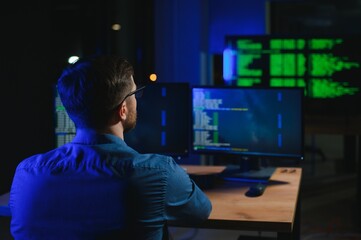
185	202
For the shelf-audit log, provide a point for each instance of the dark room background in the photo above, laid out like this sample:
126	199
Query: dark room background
180	40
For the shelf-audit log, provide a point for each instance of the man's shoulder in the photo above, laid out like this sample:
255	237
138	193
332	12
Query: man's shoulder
38	160
154	161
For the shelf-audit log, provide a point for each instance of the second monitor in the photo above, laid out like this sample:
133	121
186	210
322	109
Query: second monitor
163	120
248	122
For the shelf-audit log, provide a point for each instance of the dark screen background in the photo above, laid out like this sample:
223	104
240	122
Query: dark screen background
163	120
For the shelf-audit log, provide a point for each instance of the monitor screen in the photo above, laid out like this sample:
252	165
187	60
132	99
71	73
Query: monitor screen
257	122
328	68
64	127
163	122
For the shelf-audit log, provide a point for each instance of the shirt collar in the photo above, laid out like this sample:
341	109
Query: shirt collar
88	136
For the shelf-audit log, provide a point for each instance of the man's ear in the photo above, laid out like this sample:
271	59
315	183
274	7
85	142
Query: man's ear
123	110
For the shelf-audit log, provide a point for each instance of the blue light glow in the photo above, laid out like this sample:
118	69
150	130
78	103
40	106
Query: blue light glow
164	118
164	138
280	140
279	116
229	63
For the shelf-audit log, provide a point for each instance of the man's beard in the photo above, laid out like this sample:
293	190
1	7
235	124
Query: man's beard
130	122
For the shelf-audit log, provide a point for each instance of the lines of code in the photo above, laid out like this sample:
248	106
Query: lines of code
247	121
65	127
206	120
327	68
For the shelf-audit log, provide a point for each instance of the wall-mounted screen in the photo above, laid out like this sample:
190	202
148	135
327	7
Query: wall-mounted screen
327	68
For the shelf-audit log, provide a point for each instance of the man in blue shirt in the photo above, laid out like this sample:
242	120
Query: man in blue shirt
97	187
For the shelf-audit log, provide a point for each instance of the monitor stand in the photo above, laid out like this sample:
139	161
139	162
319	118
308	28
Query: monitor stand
249	170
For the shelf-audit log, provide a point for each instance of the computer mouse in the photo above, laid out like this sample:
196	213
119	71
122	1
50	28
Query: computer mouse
255	190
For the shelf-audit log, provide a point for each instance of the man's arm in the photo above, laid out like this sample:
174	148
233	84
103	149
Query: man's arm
185	202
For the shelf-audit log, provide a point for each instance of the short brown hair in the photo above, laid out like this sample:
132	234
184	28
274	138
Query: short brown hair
91	89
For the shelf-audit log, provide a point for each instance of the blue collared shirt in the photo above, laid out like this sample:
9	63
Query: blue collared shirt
97	187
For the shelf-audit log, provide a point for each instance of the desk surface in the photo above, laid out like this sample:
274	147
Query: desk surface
273	211
203	170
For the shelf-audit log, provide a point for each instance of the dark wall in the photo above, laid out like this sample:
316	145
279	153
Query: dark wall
315	17
37	37
26	76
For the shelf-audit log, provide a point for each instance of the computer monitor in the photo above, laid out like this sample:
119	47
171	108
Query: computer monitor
248	123
163	123
327	67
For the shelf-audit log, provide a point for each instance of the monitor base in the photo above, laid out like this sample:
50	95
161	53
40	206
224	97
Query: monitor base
262	174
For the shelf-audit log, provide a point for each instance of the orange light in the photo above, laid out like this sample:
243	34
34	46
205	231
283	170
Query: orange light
153	77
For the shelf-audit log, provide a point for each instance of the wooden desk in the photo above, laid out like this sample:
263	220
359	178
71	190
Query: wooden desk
203	170
277	210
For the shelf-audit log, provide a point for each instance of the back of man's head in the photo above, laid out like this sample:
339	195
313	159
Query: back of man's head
91	89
